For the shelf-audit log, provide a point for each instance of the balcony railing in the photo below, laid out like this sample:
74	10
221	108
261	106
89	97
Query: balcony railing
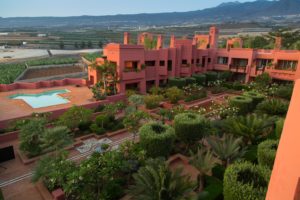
237	68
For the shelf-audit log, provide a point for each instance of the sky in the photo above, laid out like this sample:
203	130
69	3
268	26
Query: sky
33	8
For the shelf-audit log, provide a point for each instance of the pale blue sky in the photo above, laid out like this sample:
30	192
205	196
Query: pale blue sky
17	8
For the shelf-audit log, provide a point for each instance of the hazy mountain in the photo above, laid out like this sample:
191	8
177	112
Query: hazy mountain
232	11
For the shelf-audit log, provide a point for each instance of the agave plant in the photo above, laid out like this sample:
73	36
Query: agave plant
156	181
251	127
227	148
204	161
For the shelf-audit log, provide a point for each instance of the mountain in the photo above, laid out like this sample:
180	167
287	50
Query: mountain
232	11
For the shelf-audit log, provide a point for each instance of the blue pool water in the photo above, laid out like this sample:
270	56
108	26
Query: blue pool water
44	99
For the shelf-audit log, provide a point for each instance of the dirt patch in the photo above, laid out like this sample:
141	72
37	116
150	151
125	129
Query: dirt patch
52	71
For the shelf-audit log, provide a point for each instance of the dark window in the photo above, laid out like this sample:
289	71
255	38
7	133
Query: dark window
222	60
203	61
170	65
262	63
184	62
150	63
198	61
162	63
287	65
192	61
209	60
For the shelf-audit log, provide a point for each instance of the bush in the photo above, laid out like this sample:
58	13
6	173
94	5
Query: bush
190	127
200	95
174	94
211	76
96	129
255	96
130	93
273	107
225	76
177	82
266	153
156	90
263	80
245	181
152	101
157	139
243	103
217	90
74	116
190	80
284	91
103	121
200	78
279	127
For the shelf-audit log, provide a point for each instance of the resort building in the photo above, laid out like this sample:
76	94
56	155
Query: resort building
149	63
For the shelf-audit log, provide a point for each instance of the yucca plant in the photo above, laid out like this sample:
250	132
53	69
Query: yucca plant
204	161
227	148
156	181
251	127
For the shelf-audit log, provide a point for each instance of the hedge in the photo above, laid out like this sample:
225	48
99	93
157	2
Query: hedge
255	96
211	76
157	139
200	78
245	181
190	80
226	75
189	127
284	91
243	103
178	82
279	127
266	153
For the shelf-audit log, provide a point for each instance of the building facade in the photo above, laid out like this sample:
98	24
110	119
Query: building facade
148	63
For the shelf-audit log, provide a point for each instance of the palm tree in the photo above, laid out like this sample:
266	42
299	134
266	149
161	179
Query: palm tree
156	181
251	127
204	161
227	149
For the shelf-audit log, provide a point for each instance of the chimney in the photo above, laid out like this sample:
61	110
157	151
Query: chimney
172	41
126	38
159	43
194	40
278	41
213	37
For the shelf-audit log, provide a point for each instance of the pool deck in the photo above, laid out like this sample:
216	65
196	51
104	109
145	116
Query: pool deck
15	108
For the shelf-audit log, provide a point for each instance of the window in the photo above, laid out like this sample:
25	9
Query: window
192	61
209	60
131	65
262	63
222	60
237	62
162	63
170	65
197	61
287	65
150	63
203	61
184	62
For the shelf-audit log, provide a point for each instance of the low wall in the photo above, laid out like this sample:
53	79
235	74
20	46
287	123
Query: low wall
42	84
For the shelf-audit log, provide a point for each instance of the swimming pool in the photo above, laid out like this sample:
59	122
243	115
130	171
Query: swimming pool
44	99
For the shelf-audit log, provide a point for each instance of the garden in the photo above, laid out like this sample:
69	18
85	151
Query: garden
228	131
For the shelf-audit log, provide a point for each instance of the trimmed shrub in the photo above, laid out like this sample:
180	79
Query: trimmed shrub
245	181
211	76
255	96
96	129
156	90
177	82
190	127
266	153
200	78
157	139
279	127
102	120
174	94
243	103
190	80
273	107
225	76
152	101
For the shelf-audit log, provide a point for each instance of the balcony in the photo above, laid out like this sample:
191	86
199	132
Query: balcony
223	67
238	69
185	69
132	75
284	182
281	74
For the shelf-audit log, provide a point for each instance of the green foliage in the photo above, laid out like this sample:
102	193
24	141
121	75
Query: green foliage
263	80
279	127
74	116
243	103
284	91
213	189
177	82
157	139
194	92
190	127
156	181
132	121
106	122
245	181
255	96
289	37
190	80
266	153
217	89
252	127
227	149
97	92
211	76
225	75
30	137
9	72
53	170
200	78
152	101
156	90
273	107
150	43
136	100
174	94
130	93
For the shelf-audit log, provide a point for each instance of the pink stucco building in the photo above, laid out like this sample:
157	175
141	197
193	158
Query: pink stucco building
140	67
